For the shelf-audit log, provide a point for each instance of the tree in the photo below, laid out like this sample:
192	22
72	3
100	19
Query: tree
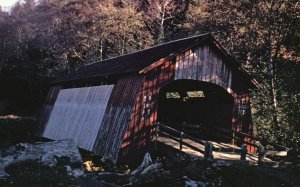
121	29
262	34
52	37
163	16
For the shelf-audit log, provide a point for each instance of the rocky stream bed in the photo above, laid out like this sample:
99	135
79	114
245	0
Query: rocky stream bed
59	163
27	161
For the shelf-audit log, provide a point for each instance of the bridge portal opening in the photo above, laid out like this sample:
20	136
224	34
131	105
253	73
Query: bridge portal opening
201	109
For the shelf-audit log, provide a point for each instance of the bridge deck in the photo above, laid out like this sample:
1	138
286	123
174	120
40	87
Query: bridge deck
224	151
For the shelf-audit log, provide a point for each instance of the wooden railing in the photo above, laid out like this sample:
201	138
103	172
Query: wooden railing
178	136
241	136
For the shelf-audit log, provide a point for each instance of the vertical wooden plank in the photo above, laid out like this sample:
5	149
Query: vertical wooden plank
205	62
184	64
214	68
211	61
176	67
117	117
200	66
121	133
180	66
191	65
47	107
196	60
223	74
229	78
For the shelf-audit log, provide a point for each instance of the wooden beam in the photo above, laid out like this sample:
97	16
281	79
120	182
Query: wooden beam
152	66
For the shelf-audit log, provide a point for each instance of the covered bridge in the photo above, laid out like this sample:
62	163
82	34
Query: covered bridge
110	106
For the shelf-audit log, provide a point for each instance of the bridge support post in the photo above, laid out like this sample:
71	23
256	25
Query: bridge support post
181	140
156	136
208	151
261	154
244	152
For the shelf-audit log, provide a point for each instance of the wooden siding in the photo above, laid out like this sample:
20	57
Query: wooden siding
203	64
242	120
117	117
145	109
77	115
47	107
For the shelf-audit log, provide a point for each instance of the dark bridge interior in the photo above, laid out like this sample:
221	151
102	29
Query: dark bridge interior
198	108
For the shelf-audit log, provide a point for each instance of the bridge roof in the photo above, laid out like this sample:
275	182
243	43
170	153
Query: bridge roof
133	63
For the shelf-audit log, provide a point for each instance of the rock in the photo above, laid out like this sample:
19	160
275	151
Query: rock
221	163
152	168
32	173
3	174
56	153
77	173
62	160
189	182
91	182
114	178
173	164
146	162
88	166
193	169
69	170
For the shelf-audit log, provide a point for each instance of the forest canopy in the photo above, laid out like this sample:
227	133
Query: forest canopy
42	40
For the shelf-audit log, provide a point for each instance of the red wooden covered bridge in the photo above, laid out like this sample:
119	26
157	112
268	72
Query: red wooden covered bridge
110	106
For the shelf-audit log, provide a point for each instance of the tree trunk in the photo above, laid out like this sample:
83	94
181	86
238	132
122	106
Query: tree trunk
101	49
161	35
123	45
272	91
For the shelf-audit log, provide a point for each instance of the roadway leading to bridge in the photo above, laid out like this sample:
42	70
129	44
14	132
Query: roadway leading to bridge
224	151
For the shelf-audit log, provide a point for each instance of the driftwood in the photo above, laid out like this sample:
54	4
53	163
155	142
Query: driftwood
147	166
146	162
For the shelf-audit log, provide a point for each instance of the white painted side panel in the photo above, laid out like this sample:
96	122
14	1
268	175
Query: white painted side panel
77	114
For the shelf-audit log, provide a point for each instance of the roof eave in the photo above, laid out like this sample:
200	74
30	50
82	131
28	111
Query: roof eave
254	83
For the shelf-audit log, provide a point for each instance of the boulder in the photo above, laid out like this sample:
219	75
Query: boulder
3	174
55	153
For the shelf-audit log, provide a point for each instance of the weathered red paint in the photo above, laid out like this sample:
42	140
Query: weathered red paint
138	78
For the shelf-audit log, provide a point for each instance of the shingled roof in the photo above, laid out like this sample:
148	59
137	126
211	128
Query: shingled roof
137	61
